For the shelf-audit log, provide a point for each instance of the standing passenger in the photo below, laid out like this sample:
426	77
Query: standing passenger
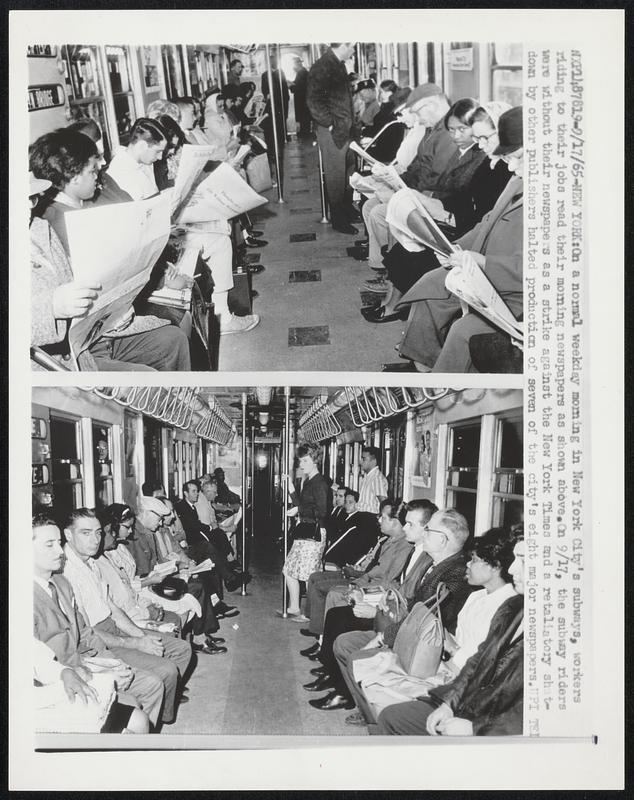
299	88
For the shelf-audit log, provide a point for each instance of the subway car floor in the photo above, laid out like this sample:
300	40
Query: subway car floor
310	292
256	687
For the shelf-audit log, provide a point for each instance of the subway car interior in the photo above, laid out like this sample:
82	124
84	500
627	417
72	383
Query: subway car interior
301	291
113	447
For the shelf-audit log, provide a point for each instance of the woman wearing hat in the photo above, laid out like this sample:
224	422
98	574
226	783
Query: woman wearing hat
435	339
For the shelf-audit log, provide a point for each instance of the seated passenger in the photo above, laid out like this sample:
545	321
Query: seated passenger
435	339
487	697
388	129
70	161
58	623
491	556
132	166
163	656
368	104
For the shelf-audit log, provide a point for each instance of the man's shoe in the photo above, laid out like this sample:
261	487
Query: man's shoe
309	651
319	671
256	234
344	227
332	702
222	610
362	243
249	242
379	316
360	253
234	324
319	684
316	656
306	632
209	649
214	639
401	366
255	269
378	285
356	718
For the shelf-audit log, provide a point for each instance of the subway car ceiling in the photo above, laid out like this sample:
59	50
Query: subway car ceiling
114	84
460	448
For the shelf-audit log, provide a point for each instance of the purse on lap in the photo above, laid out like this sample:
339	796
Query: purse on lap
309	531
420	639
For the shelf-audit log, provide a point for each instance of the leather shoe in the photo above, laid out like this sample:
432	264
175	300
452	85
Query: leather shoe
362	243
309	651
255	269
332	702
344	227
256	234
306	632
315	656
318	671
319	684
379	316
222	610
208	649
214	640
361	254
184	699
249	242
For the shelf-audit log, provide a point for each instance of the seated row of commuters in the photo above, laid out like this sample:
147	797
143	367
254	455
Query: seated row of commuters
464	163
426	555
68	173
120	604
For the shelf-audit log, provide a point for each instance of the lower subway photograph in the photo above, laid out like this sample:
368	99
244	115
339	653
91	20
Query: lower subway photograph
305	561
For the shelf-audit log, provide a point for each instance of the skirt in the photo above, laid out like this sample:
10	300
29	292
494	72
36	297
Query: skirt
304	558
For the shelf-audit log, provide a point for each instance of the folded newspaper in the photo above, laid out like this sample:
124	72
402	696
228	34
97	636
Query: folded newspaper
204	566
469	283
413	226
115	247
179	298
222	195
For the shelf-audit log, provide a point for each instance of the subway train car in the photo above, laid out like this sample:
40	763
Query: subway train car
298	292
120	451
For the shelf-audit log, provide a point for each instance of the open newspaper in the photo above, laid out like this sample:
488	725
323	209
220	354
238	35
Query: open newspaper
115	247
191	164
413	226
469	283
222	195
179	298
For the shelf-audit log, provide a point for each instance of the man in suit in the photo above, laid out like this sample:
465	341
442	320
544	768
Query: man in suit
235	72
299	88
281	96
204	543
443	539
435	340
58	623
360	617
330	103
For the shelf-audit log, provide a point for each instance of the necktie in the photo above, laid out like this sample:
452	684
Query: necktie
375	554
406	565
55	595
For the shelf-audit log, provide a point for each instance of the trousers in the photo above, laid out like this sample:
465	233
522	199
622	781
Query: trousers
374	215
347	649
165	349
317	588
405	719
336	165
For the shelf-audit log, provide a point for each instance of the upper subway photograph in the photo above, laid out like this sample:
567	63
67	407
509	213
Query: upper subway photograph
290	207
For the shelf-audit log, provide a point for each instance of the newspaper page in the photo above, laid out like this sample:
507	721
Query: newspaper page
222	195
192	161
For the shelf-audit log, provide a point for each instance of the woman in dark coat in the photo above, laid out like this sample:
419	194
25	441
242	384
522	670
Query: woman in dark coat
311	508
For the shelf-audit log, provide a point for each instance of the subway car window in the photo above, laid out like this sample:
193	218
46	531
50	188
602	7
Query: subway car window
102	465
68	487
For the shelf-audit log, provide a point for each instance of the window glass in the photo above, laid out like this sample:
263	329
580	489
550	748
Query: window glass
507	54
102	464
68	490
121	85
508	483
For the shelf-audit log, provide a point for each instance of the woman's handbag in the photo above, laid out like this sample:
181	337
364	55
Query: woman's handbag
419	641
307	531
170	588
259	173
393	608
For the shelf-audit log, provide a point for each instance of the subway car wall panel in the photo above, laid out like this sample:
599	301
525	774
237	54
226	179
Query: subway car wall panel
252	525
278	240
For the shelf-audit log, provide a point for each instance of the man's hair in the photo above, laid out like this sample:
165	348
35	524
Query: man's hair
209	482
373	451
456	523
42	520
235	61
187	484
88	126
352	493
186	102
161	107
60	156
393	504
147	130
422	504
79	513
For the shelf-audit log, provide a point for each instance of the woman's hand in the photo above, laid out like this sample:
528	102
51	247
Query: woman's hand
74	299
437	717
456	726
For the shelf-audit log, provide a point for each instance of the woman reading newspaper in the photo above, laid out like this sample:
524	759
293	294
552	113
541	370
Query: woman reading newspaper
435	339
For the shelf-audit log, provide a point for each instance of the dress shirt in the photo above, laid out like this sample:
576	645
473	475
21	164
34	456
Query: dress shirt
416	554
46	668
206	511
134	178
91	590
373	485
474	620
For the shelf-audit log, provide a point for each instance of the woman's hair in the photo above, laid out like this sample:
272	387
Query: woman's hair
312	450
88	127
172	129
186	102
60	155
159	108
388	85
147	130
496	548
462	110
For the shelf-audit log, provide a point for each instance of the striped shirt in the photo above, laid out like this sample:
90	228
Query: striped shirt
373	485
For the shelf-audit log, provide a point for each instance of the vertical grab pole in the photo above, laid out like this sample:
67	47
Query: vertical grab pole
244	493
279	72
280	199
252	477
287	483
322	190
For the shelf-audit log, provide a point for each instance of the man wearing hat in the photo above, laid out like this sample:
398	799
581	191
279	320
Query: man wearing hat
329	100
436	147
435	339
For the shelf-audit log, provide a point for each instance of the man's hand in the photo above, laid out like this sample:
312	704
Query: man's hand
376	642
356	595
149	644
74	299
152	580
437	717
456	726
123	676
364	610
455	259
156	612
74	686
